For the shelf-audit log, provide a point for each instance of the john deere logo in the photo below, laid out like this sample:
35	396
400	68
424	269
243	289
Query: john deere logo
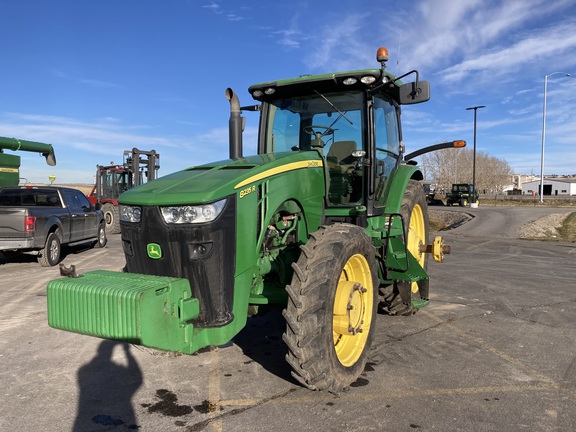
154	250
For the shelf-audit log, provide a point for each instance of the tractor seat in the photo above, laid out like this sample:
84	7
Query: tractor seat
340	154
341	165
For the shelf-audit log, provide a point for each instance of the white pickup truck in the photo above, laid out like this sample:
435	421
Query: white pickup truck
41	219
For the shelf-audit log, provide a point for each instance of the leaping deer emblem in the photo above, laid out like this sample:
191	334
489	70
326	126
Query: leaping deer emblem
154	251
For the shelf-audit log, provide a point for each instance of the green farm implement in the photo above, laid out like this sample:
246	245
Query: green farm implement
10	164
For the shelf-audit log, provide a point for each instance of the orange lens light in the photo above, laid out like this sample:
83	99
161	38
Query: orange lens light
382	54
459	143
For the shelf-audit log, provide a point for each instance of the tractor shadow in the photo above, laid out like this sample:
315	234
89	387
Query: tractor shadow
261	341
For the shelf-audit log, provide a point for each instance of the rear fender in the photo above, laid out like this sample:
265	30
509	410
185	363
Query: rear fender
53	224
397	186
399	262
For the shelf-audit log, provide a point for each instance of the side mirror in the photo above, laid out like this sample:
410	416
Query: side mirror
414	92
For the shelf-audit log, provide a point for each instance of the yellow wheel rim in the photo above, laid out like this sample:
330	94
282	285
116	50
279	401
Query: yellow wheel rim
417	237
353	307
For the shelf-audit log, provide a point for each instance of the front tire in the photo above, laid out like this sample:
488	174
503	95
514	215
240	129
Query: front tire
331	309
102	240
50	254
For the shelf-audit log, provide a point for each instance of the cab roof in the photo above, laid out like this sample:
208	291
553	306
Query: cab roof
363	79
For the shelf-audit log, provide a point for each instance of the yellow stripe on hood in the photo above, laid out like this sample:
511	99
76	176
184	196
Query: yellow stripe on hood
279	170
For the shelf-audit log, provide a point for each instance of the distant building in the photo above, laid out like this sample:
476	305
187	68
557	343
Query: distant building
519	179
516	182
553	187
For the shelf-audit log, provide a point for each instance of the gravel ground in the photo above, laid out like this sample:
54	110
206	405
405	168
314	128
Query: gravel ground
544	227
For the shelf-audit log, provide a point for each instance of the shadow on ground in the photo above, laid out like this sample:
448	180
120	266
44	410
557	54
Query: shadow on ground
261	340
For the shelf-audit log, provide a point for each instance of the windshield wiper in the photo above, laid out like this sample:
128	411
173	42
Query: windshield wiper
333	106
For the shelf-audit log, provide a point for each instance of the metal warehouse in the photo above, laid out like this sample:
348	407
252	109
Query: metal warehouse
551	187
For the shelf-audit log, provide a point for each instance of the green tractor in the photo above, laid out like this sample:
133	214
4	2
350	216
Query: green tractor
328	221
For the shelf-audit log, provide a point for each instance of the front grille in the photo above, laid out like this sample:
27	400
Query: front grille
210	272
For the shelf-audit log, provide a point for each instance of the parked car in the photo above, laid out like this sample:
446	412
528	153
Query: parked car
42	219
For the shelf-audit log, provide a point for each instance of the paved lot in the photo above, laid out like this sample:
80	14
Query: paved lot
495	351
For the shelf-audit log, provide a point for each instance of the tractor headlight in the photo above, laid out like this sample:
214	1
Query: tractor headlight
192	213
130	213
368	79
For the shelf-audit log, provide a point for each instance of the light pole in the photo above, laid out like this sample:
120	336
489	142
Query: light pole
544	133
475	108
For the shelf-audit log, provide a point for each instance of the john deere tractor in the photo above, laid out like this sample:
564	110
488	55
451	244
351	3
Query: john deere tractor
328	221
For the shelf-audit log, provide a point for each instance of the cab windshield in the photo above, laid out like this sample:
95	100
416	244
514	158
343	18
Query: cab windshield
334	125
316	121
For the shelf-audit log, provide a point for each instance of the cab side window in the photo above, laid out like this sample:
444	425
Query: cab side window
283	131
71	201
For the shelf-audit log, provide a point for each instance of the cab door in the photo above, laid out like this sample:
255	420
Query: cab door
90	218
75	220
386	145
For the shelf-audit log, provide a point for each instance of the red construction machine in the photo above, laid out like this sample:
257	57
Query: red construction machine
139	167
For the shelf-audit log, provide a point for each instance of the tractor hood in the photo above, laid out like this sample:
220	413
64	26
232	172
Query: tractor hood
210	182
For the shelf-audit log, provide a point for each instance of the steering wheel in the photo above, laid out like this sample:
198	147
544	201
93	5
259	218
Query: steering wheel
310	131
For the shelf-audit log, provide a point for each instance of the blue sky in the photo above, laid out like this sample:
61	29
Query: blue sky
96	77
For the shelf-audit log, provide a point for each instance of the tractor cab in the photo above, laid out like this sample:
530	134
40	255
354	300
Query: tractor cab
351	119
333	126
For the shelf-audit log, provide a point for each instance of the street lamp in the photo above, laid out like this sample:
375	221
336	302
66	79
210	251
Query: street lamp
544	133
475	108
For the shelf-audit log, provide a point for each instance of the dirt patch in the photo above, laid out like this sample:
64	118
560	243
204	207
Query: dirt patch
441	220
544	227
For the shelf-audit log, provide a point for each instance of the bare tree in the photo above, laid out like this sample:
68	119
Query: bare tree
448	166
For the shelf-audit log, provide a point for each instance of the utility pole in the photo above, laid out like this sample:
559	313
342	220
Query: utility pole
544	133
475	108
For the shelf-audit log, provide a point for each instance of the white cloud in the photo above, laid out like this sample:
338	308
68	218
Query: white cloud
214	7
547	43
86	81
338	44
230	16
289	38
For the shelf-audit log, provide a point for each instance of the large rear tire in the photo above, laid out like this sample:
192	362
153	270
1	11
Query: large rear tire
397	298
112	218
331	309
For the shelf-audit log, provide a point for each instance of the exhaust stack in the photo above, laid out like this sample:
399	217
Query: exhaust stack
234	125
